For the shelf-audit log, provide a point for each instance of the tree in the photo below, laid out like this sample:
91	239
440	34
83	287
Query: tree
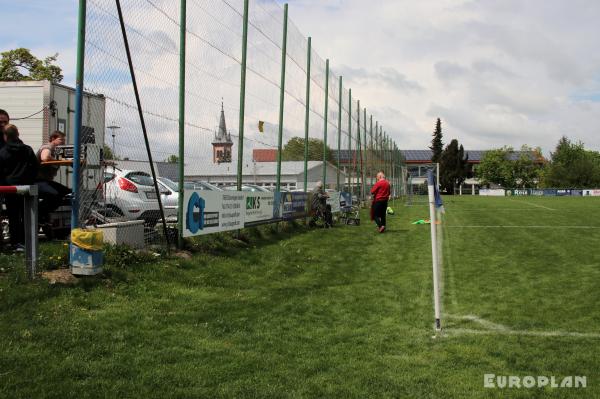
437	145
453	166
172	159
107	153
572	166
15	62
526	172
496	168
294	150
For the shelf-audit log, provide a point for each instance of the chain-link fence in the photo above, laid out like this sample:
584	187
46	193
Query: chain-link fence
180	121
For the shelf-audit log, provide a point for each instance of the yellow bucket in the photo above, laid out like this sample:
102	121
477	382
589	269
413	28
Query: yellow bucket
90	240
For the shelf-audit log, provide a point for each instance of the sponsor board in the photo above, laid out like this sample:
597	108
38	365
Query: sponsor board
591	193
259	206
294	205
334	201
345	199
212	211
487	192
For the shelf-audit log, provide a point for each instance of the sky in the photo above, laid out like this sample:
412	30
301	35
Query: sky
504	72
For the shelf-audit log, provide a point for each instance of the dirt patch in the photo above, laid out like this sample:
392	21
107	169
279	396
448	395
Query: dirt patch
60	276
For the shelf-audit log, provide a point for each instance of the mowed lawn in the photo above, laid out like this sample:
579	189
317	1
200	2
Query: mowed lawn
343	313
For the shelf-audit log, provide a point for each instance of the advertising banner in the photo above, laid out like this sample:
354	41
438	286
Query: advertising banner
208	212
294	205
334	201
259	206
345	199
550	192
488	192
563	193
591	193
518	192
537	192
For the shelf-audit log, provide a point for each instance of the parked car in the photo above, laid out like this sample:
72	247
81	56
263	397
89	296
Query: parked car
201	185
130	195
248	187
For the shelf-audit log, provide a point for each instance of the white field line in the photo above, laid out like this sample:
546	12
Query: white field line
521	227
532	204
493	328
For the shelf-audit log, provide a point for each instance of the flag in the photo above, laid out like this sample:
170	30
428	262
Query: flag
439	204
261	126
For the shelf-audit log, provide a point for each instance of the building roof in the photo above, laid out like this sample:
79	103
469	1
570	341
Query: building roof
264	155
475	156
222	136
251	168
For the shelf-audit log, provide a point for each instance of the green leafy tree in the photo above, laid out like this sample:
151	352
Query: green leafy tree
496	168
108	154
453	166
526	168
437	146
294	150
172	159
19	64
572	166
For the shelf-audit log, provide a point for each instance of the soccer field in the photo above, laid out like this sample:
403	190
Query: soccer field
341	313
522	265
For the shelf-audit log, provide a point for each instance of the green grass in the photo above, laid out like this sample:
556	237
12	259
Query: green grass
325	313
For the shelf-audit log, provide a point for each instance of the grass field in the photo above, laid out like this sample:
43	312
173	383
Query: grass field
325	313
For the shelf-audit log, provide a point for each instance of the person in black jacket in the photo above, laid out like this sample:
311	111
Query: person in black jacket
18	166
4	120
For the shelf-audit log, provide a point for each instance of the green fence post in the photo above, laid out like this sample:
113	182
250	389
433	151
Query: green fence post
78	113
242	98
359	187
350	140
182	47
307	117
339	146
325	124
371	149
365	168
282	96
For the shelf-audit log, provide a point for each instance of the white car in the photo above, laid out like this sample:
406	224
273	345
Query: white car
130	195
248	187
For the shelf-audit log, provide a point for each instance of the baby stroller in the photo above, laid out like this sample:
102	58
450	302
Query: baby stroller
349	213
322	217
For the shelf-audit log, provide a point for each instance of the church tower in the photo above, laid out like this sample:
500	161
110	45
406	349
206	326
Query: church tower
222	143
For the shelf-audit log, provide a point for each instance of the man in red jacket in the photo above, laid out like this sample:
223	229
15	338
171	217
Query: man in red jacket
381	195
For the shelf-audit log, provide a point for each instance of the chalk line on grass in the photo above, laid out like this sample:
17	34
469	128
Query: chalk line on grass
494	328
522	227
532	204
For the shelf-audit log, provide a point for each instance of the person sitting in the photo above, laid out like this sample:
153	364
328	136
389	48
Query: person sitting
319	206
51	192
18	166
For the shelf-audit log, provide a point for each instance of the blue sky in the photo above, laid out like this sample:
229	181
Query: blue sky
45	27
497	72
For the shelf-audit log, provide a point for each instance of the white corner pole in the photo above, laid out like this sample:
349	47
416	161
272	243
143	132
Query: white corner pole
434	255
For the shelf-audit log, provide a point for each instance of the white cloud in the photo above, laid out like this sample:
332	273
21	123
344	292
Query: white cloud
496	72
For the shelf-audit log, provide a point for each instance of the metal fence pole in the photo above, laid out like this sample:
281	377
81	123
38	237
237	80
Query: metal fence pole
78	113
359	187
242	98
30	220
365	151
339	146
371	148
350	156
282	95
182	45
307	116
325	124
142	121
